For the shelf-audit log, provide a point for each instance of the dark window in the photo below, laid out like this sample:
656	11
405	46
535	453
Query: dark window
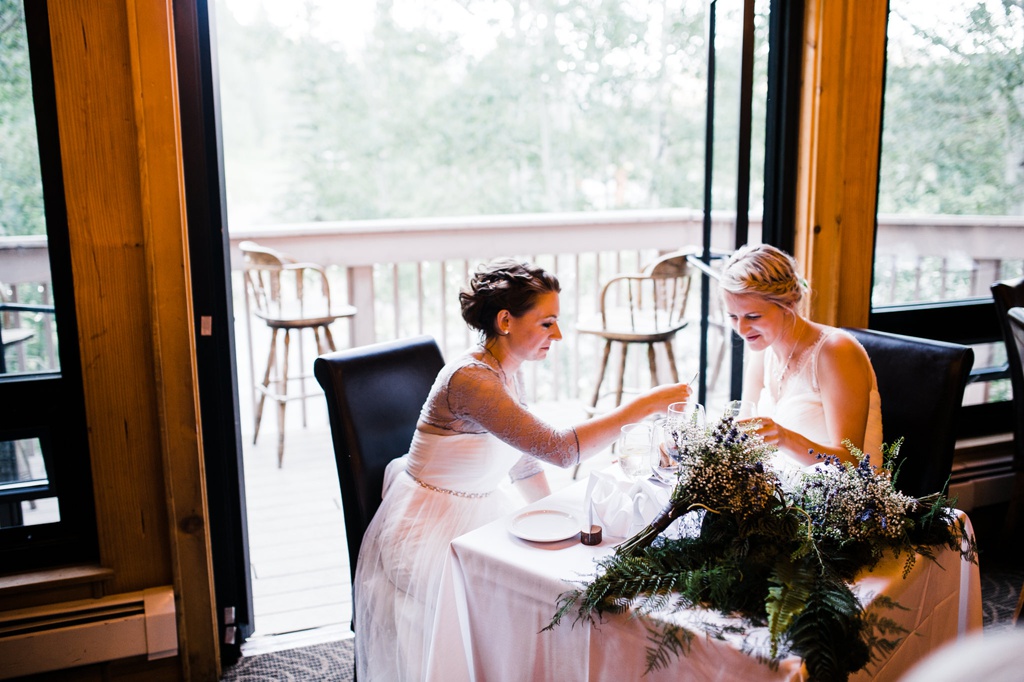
47	515
951	185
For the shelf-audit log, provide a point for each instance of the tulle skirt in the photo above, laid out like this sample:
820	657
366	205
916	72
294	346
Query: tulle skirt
398	574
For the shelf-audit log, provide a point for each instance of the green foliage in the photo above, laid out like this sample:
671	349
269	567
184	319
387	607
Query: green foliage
784	563
793	585
578	105
953	133
548	106
21	194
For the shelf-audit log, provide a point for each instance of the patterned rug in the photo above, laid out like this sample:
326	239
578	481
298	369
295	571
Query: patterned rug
1000	588
332	662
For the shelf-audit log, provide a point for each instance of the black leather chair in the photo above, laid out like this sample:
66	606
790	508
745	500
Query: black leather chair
921	383
1015	350
1009	294
374	395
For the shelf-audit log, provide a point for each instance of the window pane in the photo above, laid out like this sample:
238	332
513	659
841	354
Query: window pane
28	333
43	435
25	485
951	189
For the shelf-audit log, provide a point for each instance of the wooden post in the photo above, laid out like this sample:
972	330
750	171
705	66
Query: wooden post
116	89
840	132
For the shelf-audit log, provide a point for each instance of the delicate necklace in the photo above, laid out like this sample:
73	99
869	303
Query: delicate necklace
512	389
781	370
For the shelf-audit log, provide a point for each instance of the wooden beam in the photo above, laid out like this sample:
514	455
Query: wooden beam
841	120
165	232
116	91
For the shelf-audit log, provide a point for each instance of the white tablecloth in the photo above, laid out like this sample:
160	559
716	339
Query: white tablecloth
498	592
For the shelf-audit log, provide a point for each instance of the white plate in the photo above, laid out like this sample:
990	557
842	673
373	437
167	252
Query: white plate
544	525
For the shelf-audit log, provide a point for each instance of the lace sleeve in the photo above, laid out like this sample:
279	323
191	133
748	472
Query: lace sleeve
526	466
476	393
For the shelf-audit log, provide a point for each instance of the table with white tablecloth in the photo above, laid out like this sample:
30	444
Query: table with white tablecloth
499	592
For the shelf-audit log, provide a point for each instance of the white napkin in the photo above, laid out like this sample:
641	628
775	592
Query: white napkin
622	508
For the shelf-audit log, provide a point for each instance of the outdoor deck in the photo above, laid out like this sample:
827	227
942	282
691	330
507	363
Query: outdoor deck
298	556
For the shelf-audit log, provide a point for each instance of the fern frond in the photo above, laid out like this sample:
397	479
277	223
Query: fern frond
668	643
827	633
786	600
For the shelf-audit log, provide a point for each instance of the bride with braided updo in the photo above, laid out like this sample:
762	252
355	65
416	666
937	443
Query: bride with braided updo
473	431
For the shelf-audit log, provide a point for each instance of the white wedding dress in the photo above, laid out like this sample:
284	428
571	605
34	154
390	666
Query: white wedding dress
792	397
446	486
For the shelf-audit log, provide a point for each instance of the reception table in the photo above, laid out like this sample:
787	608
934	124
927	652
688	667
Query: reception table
499	592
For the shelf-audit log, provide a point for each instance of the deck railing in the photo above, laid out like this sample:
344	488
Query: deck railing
403	275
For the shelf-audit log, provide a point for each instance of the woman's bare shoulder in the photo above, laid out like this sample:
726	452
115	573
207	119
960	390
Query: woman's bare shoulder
840	347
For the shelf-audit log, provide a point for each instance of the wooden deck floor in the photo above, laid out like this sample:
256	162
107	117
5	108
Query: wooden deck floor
298	559
298	555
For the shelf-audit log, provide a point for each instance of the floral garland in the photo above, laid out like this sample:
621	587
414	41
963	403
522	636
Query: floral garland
774	553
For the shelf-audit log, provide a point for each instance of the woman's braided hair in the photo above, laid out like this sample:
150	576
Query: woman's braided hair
503	284
767	271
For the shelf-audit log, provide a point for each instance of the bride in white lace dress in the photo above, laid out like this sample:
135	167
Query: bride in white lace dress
474	430
813	384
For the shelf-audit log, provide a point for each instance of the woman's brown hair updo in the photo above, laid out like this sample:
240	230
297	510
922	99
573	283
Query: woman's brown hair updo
766	271
503	284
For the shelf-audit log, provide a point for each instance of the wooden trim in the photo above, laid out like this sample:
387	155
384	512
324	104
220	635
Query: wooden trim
154	76
117	110
841	120
35	581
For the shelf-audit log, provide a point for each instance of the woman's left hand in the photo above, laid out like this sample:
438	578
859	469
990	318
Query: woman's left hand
767	428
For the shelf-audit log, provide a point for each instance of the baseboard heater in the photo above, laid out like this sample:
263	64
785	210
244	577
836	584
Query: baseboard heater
58	636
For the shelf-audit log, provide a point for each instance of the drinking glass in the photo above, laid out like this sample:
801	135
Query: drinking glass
635	450
686	420
687	415
665	454
739	409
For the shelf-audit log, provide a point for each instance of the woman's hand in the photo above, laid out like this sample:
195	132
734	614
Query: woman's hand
660	397
601	431
765	427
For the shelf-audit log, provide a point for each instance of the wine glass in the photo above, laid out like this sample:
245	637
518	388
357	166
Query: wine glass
686	416
739	409
635	450
686	420
665	453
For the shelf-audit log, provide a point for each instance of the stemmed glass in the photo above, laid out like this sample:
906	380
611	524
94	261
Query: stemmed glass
685	421
665	455
739	409
635	450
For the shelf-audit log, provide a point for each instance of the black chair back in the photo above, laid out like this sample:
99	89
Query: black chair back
1015	352
1009	294
921	383
374	396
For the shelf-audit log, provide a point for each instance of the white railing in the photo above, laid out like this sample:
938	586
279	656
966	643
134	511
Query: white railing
945	257
403	275
25	278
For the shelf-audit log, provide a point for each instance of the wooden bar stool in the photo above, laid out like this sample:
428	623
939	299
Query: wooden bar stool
278	295
645	308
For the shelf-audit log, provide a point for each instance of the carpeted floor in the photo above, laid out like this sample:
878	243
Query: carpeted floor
1000	588
332	662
